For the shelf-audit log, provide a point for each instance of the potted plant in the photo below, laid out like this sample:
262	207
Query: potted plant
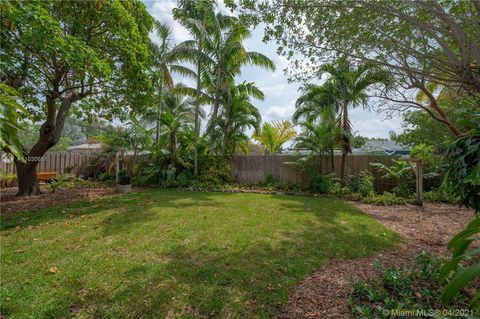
124	184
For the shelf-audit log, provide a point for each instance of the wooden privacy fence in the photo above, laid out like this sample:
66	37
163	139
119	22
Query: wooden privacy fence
60	162
245	169
63	162
253	169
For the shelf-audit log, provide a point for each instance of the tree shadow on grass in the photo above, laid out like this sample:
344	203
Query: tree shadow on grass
139	203
235	282
192	279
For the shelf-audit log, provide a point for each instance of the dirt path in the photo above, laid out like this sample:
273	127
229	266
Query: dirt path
324	293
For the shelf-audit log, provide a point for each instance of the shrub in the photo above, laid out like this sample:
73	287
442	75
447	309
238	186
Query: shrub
184	179
402	173
361	183
105	177
440	195
413	287
270	180
66	181
8	179
322	183
385	199
214	170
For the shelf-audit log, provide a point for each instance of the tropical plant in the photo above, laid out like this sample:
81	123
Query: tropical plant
242	116
345	88
463	179
274	135
229	56
194	15
413	286
178	117
320	137
10	121
402	174
361	183
165	62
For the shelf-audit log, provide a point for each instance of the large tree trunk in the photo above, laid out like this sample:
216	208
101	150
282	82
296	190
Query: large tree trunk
27	178
50	133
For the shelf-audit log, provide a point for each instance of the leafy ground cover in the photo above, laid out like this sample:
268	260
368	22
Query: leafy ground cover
166	253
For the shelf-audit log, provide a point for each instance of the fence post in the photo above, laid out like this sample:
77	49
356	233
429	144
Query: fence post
419	181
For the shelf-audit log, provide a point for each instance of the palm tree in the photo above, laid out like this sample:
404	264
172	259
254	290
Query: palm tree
274	135
242	116
319	138
165	60
225	46
321	132
345	88
178	116
193	14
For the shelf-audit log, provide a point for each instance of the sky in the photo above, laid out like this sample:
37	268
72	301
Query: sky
280	95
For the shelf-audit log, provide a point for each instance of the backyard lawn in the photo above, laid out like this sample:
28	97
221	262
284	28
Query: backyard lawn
170	254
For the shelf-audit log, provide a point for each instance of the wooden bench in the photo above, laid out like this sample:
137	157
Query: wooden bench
46	176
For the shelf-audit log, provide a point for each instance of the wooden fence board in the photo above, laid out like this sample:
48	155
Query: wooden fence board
254	169
245	169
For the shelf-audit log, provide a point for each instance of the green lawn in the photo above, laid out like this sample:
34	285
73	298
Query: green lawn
171	254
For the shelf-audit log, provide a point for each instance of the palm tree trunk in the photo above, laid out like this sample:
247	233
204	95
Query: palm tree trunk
345	140
342	168
159	112
227	120
173	145
197	118
216	104
332	159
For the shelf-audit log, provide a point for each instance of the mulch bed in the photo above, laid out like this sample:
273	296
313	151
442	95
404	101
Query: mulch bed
10	203
324	293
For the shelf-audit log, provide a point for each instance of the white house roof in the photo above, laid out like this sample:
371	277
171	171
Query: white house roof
94	146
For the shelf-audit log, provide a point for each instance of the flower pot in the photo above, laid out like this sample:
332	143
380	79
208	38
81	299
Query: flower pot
124	189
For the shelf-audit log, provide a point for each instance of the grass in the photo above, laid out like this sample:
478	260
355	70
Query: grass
171	254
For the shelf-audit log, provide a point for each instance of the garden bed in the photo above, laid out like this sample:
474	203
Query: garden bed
324	294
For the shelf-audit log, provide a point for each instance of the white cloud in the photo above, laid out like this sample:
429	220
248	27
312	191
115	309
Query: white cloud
274	113
161	10
280	95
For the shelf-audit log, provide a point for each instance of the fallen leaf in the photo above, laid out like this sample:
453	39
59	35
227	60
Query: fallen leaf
54	270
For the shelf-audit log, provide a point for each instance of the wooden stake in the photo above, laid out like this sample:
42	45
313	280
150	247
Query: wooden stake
419	181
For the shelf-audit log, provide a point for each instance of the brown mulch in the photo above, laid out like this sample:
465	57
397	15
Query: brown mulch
10	203
324	293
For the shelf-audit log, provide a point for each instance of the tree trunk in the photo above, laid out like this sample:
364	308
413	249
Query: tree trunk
196	132
159	113
346	133
342	168
50	133
225	141
332	159
216	105
173	145
27	178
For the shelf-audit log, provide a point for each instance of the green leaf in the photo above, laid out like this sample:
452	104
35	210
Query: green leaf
458	282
